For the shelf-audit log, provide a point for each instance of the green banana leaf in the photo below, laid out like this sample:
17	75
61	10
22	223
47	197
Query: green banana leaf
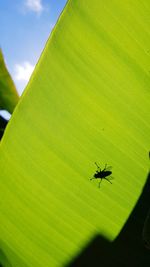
87	101
8	93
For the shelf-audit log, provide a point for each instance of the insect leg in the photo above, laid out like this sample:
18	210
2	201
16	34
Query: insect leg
100	182
92	178
97	166
105	167
108	180
111	178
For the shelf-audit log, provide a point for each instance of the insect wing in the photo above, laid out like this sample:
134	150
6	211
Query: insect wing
108	168
110	178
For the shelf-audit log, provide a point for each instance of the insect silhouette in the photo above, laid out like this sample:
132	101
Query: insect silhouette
102	174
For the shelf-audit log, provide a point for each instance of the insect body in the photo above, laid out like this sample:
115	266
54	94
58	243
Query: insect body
102	174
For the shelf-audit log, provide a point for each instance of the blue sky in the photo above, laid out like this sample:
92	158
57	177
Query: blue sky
25	26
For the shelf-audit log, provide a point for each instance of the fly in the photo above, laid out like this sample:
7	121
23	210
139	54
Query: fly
102	174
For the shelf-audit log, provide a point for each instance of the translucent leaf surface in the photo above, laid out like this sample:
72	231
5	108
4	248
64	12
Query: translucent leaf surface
8	93
87	101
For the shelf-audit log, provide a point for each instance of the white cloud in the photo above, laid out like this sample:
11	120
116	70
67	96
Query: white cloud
23	71
34	5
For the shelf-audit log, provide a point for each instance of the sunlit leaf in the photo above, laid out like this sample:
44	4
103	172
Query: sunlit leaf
87	101
8	93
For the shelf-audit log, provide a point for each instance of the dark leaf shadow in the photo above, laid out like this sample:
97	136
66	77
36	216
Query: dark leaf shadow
127	249
8	258
4	262
3	124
